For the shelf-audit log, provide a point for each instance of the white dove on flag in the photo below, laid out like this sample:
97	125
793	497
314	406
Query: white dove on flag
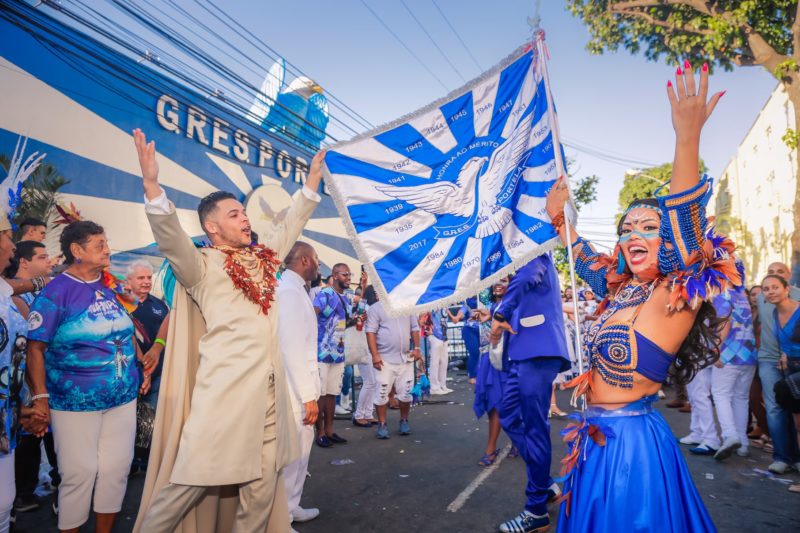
459	198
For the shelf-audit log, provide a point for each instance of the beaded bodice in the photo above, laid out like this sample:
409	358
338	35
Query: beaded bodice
616	350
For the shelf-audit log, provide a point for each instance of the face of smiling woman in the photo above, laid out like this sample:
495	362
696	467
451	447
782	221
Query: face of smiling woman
639	239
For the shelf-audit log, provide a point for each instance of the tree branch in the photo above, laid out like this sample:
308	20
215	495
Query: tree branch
663	24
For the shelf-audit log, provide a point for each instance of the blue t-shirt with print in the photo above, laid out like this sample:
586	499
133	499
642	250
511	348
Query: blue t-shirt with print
90	362
331	322
12	372
739	347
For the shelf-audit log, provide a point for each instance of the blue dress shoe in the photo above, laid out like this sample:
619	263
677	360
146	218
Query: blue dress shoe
324	442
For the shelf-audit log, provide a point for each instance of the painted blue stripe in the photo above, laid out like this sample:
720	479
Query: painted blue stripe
395	266
459	116
535	229
442	283
508	88
410	143
369	216
95	180
493	255
342	164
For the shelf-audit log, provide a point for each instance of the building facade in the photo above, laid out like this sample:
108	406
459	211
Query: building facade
755	194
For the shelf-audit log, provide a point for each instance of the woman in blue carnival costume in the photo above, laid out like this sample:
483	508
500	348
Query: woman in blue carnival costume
624	471
490	384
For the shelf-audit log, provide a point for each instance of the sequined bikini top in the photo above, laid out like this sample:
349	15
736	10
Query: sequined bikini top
616	350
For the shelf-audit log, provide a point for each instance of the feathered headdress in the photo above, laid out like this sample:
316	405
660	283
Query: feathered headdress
69	214
11	187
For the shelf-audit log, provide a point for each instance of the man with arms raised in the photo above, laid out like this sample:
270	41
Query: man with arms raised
225	419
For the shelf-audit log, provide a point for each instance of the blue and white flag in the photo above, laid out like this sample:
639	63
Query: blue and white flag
445	201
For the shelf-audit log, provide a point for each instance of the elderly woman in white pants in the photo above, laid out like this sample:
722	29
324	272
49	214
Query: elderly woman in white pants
437	343
82	371
733	373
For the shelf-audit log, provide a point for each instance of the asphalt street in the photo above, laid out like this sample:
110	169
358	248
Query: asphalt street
406	484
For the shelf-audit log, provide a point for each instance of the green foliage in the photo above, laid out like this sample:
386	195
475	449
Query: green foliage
785	68
643	185
39	192
713	31
584	192
791	138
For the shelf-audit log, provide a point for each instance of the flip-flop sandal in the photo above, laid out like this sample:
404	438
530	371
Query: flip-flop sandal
795	488
366	424
488	458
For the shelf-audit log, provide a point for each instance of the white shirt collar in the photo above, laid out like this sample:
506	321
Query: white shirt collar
293	277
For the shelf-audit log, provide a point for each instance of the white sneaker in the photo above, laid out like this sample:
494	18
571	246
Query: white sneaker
437	392
779	467
300	515
729	445
691	440
744	451
448	391
341	411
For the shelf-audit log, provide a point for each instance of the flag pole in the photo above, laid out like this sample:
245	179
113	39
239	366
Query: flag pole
538	36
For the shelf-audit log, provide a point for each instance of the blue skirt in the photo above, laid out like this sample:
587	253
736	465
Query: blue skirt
489	386
638	481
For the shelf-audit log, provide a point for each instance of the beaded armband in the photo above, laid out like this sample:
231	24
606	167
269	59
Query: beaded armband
588	267
697	262
683	227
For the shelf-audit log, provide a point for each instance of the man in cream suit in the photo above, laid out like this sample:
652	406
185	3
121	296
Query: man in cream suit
237	429
297	335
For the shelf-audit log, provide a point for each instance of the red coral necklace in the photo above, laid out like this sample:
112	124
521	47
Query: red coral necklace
252	270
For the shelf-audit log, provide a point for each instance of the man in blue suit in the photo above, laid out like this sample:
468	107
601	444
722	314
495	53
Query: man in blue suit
531	319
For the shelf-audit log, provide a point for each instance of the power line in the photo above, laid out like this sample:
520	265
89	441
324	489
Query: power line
243	29
399	40
435	44
447	21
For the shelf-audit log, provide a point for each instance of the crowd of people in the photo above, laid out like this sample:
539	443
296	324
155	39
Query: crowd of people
111	380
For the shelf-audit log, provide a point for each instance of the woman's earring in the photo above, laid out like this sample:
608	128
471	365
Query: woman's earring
78	260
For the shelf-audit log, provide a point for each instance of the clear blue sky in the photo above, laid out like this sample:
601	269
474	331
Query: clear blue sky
614	102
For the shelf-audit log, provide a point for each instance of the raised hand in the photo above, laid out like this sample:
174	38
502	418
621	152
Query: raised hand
147	161
690	104
557	198
315	171
691	107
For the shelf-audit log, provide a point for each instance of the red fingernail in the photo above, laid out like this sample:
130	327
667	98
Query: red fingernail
705	67
669	84
686	64
678	71
722	93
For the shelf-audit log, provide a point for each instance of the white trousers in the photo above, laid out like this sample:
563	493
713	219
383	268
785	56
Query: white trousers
702	426
730	387
368	394
294	474
437	372
8	491
95	451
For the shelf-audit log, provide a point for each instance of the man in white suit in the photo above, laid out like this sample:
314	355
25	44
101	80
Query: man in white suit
297	335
